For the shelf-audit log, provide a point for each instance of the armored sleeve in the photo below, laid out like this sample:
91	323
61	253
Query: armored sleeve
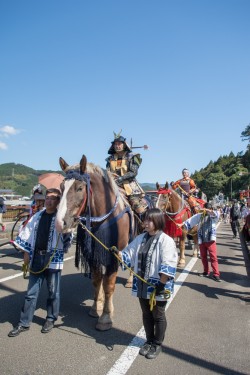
176	184
192	184
133	167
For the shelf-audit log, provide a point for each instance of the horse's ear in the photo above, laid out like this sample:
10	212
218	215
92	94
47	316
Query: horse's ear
83	164
166	185
157	186
63	164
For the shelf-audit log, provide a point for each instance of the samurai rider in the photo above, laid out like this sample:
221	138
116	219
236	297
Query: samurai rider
124	165
187	188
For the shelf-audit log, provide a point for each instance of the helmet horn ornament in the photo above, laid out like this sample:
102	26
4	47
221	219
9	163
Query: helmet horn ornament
117	135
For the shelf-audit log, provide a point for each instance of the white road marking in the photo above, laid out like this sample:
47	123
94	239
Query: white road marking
127	358
21	274
123	363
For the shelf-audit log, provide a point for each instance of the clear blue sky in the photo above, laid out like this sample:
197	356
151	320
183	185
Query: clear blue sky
171	74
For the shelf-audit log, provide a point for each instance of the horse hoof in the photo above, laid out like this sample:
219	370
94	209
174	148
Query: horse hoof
128	284
94	313
103	326
181	264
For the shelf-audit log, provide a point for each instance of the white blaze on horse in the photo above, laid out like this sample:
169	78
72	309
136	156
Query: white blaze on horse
91	197
176	211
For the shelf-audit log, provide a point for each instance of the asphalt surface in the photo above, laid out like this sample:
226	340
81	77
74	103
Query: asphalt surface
208	323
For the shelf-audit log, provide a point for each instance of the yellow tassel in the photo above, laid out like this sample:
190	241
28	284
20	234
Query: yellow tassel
152	300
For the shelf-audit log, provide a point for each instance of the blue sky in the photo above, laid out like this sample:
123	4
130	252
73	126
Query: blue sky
173	75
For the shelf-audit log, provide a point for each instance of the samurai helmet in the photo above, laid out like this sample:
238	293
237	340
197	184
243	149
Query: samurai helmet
37	189
118	138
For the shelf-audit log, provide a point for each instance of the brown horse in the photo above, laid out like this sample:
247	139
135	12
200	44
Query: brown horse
176	212
92	202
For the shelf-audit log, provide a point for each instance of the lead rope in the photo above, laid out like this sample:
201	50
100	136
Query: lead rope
25	267
152	299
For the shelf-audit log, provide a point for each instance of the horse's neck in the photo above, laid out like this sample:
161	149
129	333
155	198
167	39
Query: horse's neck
175	202
102	199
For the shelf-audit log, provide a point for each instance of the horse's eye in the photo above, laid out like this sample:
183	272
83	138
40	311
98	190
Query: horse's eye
79	189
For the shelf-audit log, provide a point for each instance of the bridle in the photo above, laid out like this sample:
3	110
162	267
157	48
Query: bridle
166	200
85	205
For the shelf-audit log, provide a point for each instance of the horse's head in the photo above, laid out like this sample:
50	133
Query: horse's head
74	194
168	201
87	191
164	194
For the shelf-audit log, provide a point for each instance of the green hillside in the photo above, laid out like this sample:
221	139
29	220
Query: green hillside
228	175
19	178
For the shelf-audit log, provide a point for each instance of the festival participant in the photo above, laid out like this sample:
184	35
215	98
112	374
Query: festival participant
37	204
37	198
44	250
154	256
2	211
206	222
124	165
234	218
226	213
245	210
187	188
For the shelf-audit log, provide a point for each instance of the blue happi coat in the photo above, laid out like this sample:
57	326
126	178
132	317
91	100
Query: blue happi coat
58	244
163	260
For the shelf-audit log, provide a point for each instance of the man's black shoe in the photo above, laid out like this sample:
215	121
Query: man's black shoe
48	325
145	348
216	278
154	351
17	330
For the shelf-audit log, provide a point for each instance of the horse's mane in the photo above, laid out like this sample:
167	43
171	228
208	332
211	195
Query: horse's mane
96	170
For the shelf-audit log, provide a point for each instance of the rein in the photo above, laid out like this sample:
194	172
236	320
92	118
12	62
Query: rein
77	175
152	300
26	269
165	192
98	219
170	215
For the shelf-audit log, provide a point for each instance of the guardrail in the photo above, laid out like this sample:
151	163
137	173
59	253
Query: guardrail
13	211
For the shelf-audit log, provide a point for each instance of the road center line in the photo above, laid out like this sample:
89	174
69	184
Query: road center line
122	365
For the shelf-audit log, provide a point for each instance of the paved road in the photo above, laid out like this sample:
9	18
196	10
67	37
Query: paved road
208	323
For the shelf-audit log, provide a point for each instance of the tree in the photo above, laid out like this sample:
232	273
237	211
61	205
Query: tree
245	135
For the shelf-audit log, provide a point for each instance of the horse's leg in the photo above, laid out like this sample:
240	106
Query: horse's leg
182	261
129	281
105	320
97	307
196	252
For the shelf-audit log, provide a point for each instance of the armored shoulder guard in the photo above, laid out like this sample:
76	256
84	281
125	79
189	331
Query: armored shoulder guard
137	159
107	162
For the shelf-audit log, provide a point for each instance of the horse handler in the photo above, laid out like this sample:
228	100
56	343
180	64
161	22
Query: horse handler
206	222
44	252
154	257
